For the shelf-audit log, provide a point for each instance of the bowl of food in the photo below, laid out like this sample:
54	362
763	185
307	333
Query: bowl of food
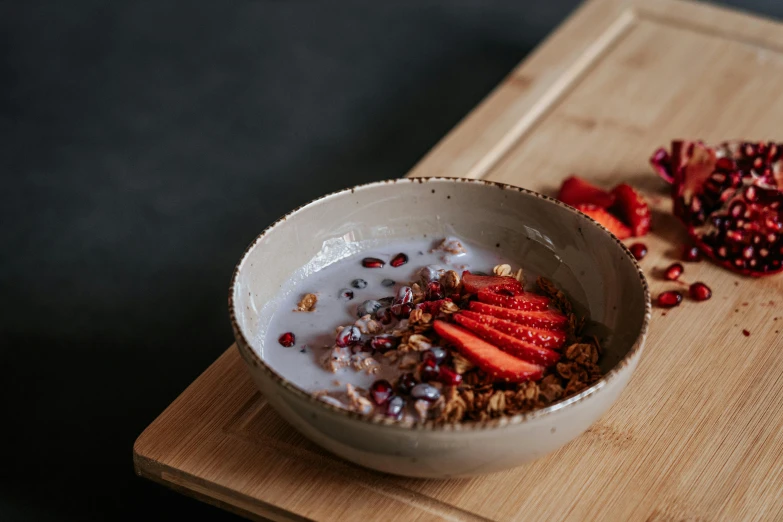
439	327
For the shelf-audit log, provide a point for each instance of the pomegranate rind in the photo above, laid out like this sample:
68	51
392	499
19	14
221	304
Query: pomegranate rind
493	361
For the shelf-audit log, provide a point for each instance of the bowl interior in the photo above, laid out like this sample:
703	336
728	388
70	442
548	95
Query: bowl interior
541	235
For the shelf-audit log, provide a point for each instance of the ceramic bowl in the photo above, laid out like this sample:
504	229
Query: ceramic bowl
591	265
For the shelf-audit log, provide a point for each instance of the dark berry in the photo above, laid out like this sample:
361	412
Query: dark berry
288	339
669	299
406	383
368	307
394	407
399	260
426	392
348	336
673	272
359	284
639	250
699	291
387	282
372	262
381	391
346	294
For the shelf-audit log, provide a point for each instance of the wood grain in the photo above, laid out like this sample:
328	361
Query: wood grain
698	434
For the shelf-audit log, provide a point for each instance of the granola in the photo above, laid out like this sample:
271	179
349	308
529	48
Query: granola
307	303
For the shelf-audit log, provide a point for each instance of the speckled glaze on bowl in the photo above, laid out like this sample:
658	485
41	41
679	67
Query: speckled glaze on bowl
606	276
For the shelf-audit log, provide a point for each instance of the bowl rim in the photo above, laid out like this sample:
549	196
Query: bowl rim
252	358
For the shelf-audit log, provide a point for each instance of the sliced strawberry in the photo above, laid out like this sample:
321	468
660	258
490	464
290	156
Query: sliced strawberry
544	338
495	362
547	319
525	301
614	225
631	207
432	307
576	191
473	283
524	350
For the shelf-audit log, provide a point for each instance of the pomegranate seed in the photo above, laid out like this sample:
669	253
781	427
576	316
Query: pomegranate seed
287	339
346	294
699	291
426	392
669	299
449	376
399	260
401	311
372	262
404	295
406	383
348	336
383	315
434	291
435	353
383	343
429	370
674	272
381	391
746	333
395	406
639	250
691	253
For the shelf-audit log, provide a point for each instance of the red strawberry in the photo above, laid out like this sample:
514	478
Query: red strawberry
495	362
523	350
543	338
473	283
576	191
548	319
614	225
525	301
631	208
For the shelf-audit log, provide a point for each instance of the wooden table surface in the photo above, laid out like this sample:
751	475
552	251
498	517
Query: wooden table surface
697	435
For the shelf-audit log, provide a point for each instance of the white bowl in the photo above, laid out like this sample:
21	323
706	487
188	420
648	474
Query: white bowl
590	264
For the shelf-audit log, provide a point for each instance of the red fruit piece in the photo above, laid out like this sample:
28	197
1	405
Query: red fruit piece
632	209
449	377
639	250
372	262
495	362
614	225
543	338
399	260
524	350
381	391
473	283
673	272
288	339
699	291
730	198
669	299
576	191
691	253
548	319
526	301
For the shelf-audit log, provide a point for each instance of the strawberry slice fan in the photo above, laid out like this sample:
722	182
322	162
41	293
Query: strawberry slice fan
509	333
623	211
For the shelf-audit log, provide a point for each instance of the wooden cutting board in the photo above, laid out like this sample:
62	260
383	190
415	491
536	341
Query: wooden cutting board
697	435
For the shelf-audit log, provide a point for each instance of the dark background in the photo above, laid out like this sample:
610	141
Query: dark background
142	146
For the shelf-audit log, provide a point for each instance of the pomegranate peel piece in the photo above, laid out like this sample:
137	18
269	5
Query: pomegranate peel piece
495	362
522	349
